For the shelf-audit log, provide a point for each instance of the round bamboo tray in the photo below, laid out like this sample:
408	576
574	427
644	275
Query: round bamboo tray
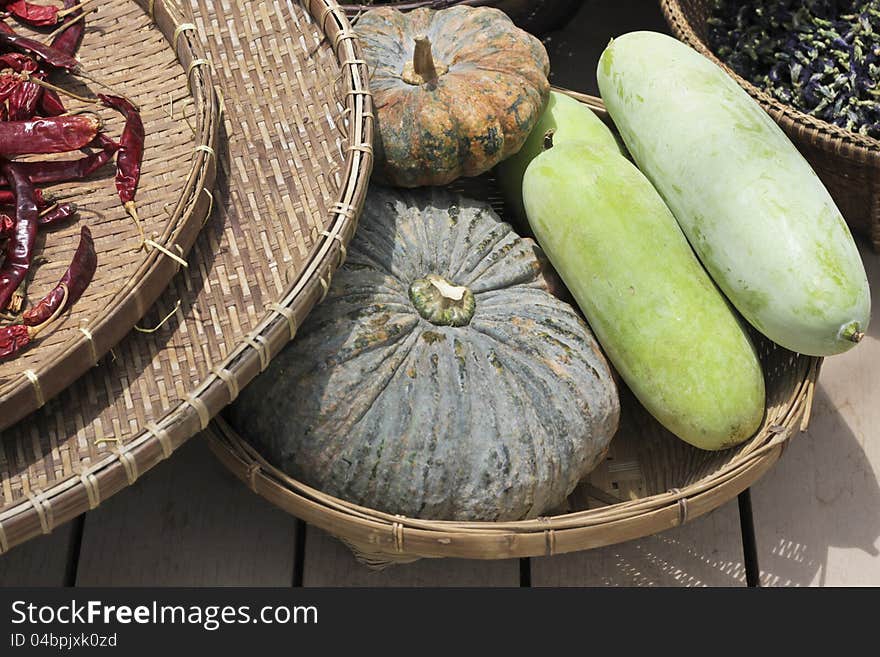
535	16
649	481
848	163
133	52
293	161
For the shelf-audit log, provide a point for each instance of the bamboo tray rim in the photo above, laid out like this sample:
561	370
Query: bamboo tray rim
32	388
412	537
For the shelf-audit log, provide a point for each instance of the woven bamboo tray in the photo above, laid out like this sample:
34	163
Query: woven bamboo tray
294	157
535	16
649	481
848	163
135	53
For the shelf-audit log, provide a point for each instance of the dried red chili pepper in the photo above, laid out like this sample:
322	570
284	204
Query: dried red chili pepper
38	15
24	99
74	282
20	245
56	171
53	134
18	62
47	219
56	214
9	40
8	84
50	103
131	151
7	225
70	37
14	338
43	199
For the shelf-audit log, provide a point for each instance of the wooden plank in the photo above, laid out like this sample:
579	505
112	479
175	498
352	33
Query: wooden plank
188	522
817	512
574	50
704	552
40	562
330	563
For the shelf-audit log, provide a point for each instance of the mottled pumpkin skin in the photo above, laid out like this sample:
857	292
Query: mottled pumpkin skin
495	420
480	111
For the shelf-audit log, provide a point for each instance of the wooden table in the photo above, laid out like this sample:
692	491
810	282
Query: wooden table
816	514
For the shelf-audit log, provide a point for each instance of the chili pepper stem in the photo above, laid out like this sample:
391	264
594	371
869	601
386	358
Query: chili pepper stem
60	90
58	30
16	301
64	12
48	209
34	330
131	209
88	76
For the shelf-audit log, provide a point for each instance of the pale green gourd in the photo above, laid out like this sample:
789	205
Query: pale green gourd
568	120
755	212
662	322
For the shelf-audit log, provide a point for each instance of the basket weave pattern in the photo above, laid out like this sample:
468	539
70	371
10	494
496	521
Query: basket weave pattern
847	162
293	168
649	481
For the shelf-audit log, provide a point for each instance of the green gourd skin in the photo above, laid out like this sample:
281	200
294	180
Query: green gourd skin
664	325
569	120
753	209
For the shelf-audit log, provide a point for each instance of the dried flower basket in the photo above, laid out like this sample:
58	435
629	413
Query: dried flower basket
293	160
848	163
649	481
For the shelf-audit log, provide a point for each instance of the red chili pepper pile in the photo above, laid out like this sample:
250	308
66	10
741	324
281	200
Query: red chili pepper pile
34	121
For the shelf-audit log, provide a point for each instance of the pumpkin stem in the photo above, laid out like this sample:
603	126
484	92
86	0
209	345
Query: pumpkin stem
423	60
441	302
422	69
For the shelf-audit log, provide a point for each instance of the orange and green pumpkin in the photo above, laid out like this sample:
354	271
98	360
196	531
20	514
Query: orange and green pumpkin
439	378
456	91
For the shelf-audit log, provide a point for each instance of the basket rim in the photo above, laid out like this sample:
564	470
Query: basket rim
43	510
393	537
354	9
867	147
28	391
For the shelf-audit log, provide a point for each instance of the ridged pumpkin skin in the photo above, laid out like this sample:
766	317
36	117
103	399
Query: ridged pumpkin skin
497	418
491	89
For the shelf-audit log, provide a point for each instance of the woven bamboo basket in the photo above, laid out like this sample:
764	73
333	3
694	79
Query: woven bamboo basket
649	481
535	16
136	55
293	160
848	163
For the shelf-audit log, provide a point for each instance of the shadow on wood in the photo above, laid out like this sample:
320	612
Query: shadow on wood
823	495
704	552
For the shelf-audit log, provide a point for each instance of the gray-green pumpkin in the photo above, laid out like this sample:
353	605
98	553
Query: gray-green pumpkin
439	378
